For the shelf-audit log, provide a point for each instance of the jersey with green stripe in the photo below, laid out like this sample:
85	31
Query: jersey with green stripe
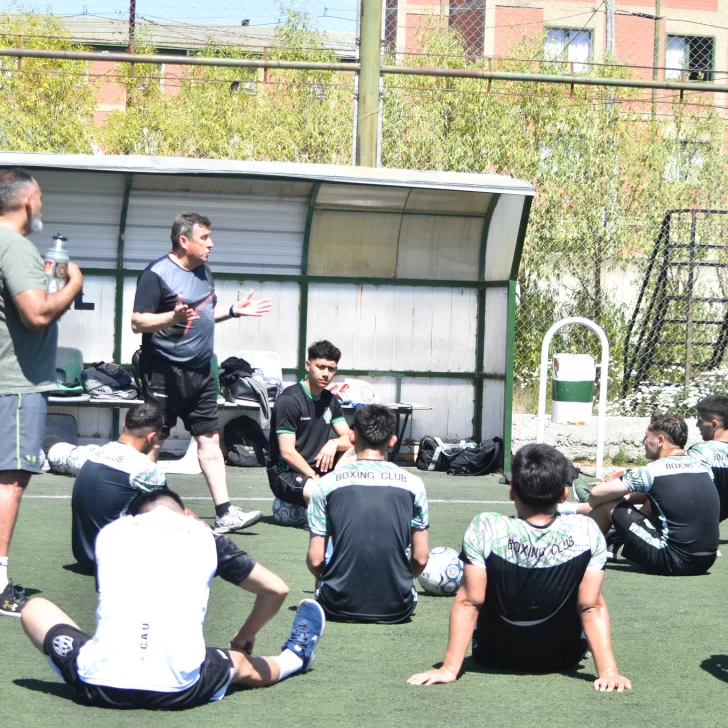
297	412
529	619
684	501
368	509
714	453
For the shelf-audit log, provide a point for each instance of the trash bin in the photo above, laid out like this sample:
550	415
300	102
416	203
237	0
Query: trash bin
573	389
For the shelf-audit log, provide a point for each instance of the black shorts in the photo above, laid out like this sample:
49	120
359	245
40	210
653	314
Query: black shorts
190	394
63	642
288	486
643	545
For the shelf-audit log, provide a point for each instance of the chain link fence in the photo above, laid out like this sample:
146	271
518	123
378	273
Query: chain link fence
629	222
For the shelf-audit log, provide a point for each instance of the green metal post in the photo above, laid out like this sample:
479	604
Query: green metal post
510	356
656	55
367	122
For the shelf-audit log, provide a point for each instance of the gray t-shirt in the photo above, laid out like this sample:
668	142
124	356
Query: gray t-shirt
27	358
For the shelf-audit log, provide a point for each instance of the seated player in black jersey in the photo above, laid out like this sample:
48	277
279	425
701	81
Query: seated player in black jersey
300	448
111	477
154	569
713	451
675	530
376	515
532	584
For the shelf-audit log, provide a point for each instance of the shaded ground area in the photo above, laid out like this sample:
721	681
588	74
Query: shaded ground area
671	636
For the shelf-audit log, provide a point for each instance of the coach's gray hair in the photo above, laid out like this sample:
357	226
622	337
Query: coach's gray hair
13	184
183	224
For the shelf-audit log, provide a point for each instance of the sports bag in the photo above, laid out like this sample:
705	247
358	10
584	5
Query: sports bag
479	460
246	444
435	454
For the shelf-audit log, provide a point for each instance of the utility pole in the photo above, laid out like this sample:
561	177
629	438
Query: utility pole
367	121
610	28
656	55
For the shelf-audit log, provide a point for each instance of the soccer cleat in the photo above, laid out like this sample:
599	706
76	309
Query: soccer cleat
614	543
12	600
235	519
308	626
581	490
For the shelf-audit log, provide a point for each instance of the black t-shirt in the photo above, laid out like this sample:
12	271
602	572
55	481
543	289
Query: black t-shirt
529	620
714	454
158	287
106	483
307	417
368	509
685	503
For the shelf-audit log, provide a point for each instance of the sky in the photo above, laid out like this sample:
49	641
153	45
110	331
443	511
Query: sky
334	15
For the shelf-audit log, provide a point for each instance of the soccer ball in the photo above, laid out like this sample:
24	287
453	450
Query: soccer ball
75	460
42	461
286	514
57	456
443	573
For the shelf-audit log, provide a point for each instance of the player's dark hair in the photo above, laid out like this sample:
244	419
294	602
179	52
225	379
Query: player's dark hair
714	407
374	424
142	500
144	418
324	350
673	427
183	224
538	475
12	184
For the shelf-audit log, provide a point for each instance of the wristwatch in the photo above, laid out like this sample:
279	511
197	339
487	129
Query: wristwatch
232	312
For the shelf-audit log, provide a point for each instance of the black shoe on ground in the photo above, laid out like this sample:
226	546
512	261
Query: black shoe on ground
614	543
12	600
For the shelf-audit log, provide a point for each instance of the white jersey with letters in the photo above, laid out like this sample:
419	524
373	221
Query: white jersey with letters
154	573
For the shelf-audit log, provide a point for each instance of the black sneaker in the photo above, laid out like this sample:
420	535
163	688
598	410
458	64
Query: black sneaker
614	543
12	600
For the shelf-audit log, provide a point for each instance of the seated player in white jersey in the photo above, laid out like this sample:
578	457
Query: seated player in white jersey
111	477
713	451
532	583
301	449
665	514
375	513
154	569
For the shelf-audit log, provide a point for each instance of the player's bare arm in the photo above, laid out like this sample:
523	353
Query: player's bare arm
595	622
605	492
38	309
327	455
420	551
270	593
247	306
463	618
316	556
149	323
287	447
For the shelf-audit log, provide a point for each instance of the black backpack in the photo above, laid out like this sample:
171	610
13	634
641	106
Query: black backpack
246	444
459	458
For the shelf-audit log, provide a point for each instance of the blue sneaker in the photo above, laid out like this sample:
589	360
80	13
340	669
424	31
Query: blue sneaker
308	626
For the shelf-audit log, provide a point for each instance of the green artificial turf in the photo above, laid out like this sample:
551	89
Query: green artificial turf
670	637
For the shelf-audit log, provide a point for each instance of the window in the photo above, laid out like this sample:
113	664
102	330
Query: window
563	44
686	161
693	56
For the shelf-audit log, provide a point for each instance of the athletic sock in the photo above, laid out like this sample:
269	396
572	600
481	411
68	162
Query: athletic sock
568	507
3	572
289	662
222	509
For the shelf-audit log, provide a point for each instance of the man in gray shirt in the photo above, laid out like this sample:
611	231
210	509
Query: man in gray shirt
28	342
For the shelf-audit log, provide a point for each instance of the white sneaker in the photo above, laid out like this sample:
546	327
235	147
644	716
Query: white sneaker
236	519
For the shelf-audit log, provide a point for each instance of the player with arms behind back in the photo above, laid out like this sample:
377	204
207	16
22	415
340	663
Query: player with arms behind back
531	584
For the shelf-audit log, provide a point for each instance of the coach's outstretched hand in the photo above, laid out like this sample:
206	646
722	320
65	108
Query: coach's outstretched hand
611	682
433	677
252	307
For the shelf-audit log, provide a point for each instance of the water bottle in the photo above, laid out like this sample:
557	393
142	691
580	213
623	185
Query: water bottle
56	264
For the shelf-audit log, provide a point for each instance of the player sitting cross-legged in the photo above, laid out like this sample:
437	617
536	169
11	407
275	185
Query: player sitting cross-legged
154	569
665	514
300	448
531	584
376	516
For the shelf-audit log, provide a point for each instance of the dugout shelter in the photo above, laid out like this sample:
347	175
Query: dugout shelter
411	274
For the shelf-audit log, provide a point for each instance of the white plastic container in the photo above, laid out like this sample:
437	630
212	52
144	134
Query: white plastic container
573	389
